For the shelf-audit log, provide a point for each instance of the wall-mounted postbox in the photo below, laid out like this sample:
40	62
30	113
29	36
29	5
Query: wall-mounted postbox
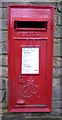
30	54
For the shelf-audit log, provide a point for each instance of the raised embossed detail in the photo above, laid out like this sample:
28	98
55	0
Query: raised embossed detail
30	89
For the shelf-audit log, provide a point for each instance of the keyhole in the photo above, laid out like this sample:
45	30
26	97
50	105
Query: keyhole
20	77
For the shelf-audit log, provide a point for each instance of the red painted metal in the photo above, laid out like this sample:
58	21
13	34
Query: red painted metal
30	92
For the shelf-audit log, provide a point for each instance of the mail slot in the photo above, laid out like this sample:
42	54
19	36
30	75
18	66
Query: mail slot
30	58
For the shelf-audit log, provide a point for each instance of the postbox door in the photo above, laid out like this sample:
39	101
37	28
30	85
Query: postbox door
30	87
30	54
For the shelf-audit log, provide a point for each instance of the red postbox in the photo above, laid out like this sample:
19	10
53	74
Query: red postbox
30	56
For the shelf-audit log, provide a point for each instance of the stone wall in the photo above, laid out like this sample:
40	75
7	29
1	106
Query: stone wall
57	66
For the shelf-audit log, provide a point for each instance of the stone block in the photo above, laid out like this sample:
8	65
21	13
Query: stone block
3	48
43	3
4	71
0	48
0	35
56	93
57	72
4	36
4	60
1	96
3	83
27	0
37	115
4	13
57	41
61	50
0	24
5	4
56	82
0	4
61	93
0	60
57	62
57	32
43	115
60	19
0	12
55	17
55	112
19	118
60	31
4	111
61	72
0	106
61	113
56	104
56	50
1	111
5	105
59	6
4	24
0	71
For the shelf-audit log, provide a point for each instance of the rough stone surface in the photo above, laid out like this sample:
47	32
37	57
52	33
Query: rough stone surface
4	36
0	71
0	13
5	105
19	118
56	49
0	48
1	95
55	112
43	3
3	83
4	24
4	13
56	104
4	71
57	41
0	35
59	6
0	59
4	48
56	82
0	23
57	62
0	4
60	19
55	17
4	60
56	93
57	33
57	72
0	83
5	4
1	106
